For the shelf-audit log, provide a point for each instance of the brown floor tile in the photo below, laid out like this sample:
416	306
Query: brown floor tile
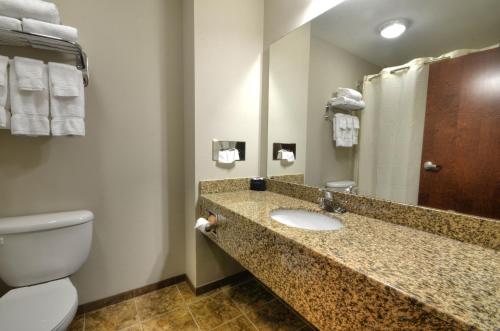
189	295
76	324
249	295
177	320
214	310
115	317
239	324
275	316
159	302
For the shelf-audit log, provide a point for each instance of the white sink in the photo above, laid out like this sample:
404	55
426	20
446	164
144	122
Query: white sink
304	219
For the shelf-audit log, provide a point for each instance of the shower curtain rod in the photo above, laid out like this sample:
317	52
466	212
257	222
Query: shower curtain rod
408	67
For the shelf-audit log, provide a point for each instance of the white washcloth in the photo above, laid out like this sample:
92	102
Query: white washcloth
343	130
10	23
68	33
4	119
229	156
29	125
37	9
346	103
349	93
288	156
355	131
67	126
30	74
65	81
28	102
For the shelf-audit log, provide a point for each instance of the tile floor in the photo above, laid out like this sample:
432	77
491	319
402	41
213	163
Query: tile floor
240	307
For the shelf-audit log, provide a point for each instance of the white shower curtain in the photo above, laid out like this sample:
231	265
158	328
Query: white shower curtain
392	126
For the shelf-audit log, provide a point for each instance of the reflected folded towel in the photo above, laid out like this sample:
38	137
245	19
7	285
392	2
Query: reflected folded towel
4	93
10	23
29	125
343	130
349	93
28	102
355	131
229	156
288	156
36	9
68	126
346	103
49	29
30	74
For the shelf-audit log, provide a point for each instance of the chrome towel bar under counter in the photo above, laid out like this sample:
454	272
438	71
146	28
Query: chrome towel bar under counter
26	39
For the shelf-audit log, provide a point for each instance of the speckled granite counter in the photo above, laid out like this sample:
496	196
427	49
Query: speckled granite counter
369	275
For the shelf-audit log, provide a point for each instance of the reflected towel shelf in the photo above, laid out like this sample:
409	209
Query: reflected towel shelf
26	39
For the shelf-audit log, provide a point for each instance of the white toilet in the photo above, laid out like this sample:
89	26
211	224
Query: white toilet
341	186
37	254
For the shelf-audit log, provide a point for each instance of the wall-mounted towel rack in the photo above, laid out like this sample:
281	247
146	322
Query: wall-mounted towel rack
26	39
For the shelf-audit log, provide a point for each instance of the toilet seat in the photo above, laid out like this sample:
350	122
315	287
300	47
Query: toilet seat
340	184
48	306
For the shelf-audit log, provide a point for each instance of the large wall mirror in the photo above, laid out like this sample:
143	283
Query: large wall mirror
395	99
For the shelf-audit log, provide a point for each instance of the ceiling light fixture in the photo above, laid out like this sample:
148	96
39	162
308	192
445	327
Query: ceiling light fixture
392	29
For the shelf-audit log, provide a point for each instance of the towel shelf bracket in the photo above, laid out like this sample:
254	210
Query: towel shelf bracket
26	39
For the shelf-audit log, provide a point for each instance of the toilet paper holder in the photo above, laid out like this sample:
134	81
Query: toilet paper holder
222	145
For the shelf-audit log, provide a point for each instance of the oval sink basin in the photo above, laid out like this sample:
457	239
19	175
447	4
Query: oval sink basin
304	219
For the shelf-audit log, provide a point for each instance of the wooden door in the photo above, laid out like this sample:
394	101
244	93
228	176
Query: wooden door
462	135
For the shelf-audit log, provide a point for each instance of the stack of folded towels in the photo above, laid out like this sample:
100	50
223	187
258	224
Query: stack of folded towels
35	98
33	91
347	99
35	16
345	130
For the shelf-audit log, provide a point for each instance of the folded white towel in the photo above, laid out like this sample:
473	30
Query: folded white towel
229	156
349	93
28	102
346	103
67	126
30	74
285	155
68	33
4	82
10	23
343	130
4	119
355	131
37	9
29	125
65	80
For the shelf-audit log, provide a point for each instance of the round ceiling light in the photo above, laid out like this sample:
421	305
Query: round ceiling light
392	29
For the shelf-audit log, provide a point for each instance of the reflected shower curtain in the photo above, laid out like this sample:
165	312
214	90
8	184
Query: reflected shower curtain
391	134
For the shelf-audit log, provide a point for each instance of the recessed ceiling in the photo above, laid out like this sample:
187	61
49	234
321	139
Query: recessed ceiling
434	27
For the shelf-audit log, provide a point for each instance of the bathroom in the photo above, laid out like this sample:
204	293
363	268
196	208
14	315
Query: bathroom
224	114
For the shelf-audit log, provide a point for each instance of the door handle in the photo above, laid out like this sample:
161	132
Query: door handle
430	166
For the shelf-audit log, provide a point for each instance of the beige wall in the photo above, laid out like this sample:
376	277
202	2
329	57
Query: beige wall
225	40
129	168
283	16
288	89
330	67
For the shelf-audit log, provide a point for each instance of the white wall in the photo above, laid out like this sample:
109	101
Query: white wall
283	16
330	67
227	39
288	89
128	169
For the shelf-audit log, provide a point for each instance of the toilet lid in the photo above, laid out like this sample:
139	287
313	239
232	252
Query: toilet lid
38	307
341	183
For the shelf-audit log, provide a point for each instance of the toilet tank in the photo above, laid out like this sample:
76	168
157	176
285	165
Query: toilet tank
44	247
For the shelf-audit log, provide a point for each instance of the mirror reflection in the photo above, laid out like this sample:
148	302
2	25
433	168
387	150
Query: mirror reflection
394	99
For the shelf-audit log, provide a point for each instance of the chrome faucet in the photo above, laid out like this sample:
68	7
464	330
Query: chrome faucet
327	203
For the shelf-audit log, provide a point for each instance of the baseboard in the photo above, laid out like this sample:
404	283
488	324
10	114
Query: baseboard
94	305
240	276
86	307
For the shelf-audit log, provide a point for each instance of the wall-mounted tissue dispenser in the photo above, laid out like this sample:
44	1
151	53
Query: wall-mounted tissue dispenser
221	145
282	146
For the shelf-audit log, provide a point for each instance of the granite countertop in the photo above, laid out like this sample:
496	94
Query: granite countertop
454	279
